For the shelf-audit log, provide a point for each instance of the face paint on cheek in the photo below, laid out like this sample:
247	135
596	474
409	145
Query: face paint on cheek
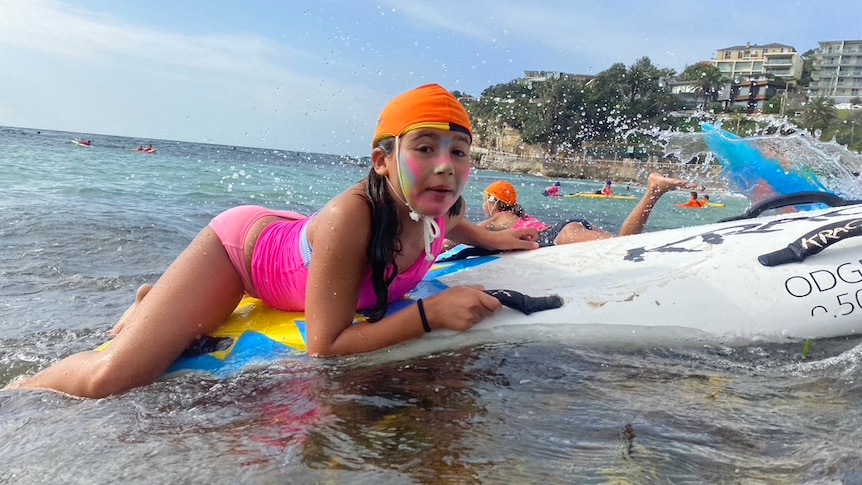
409	171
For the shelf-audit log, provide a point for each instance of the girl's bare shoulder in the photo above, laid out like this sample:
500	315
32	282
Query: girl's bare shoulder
346	212
502	220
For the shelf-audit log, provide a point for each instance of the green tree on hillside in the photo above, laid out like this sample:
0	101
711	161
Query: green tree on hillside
847	130
818	113
642	78
623	98
807	67
606	99
501	105
506	103
649	96
610	83
708	79
773	105
560	116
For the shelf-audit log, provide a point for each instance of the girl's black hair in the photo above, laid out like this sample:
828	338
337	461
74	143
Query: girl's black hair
514	208
385	230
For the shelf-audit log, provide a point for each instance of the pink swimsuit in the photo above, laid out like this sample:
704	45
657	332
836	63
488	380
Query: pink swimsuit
232	226
529	222
279	265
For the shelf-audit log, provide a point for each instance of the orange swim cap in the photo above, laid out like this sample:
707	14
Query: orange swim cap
503	191
428	106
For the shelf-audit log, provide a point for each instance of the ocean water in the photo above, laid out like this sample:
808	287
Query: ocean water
82	228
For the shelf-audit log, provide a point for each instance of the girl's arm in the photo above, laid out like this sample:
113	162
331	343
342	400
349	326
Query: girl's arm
468	233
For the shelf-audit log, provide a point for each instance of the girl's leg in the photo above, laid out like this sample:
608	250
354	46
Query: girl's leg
139	295
195	295
657	185
575	232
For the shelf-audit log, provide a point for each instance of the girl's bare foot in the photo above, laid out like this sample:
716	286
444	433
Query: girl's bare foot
658	184
141	293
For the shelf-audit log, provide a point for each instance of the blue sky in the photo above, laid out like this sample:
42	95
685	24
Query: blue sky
313	75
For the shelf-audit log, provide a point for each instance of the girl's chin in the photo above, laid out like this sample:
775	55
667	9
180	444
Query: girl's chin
435	205
434	214
434	210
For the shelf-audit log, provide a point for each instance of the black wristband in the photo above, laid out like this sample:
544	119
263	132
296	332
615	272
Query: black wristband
424	318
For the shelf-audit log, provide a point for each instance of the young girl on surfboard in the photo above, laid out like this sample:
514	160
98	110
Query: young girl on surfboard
503	211
364	249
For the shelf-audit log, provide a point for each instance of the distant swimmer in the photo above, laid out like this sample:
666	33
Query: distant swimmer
553	190
607	191
693	202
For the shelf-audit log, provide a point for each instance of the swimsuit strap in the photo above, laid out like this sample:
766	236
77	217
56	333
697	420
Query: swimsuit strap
430	232
304	246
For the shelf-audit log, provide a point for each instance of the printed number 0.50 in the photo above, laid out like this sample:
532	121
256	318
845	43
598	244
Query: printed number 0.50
849	304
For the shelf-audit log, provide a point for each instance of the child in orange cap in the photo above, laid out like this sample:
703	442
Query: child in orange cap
503	212
365	248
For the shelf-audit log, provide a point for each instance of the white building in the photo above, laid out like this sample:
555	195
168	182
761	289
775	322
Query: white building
837	71
748	61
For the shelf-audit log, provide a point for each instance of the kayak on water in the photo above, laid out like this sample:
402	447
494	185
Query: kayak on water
593	195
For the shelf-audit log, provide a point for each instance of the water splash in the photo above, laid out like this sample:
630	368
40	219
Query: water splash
786	160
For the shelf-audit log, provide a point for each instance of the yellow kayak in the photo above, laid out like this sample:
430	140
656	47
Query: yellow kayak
592	195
